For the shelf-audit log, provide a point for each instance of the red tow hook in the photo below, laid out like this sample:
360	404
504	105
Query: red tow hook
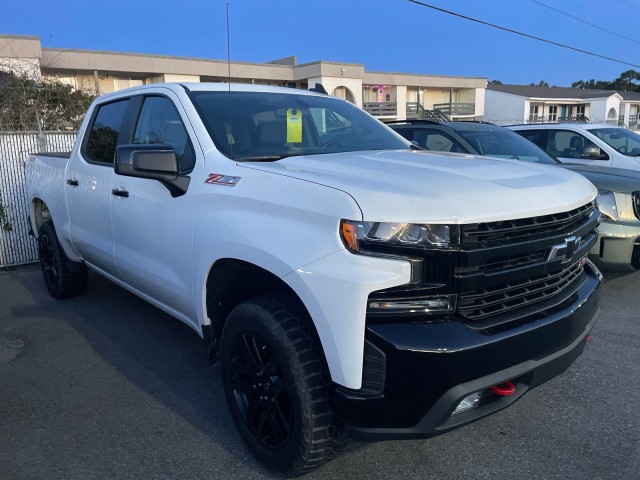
504	389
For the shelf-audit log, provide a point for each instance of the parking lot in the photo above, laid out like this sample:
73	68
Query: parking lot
106	386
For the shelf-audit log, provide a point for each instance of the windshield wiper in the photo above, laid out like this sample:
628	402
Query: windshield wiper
266	158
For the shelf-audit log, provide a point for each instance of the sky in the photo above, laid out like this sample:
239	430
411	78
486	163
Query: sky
384	35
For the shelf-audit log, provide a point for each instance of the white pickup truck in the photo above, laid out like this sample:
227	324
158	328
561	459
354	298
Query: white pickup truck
348	282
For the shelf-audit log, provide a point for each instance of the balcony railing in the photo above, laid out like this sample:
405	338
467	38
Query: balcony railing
547	119
633	122
415	110
381	109
456	109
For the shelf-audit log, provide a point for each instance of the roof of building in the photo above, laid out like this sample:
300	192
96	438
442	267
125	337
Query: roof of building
629	96
531	91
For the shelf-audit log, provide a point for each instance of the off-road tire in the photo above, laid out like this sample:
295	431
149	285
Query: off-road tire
283	360
62	277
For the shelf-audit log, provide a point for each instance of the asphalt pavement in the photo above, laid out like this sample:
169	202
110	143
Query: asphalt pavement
105	386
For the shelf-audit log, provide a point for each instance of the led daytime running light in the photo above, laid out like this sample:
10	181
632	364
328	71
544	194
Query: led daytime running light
354	234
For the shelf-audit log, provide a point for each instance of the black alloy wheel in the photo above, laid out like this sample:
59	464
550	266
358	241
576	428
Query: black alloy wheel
261	392
278	386
47	260
62	277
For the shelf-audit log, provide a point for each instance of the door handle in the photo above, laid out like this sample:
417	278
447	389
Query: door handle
72	181
119	193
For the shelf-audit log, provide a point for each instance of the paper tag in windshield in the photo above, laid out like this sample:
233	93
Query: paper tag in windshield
294	125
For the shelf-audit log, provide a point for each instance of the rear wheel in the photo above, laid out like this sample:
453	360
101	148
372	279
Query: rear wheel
277	385
62	277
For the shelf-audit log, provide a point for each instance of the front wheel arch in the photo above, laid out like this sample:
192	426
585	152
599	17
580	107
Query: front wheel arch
231	282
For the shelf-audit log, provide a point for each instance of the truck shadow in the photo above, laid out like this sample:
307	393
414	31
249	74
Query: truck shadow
155	352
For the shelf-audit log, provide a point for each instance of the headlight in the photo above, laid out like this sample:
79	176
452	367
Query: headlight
606	203
356	235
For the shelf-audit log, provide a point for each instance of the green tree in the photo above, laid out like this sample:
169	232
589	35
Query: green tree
627	81
541	83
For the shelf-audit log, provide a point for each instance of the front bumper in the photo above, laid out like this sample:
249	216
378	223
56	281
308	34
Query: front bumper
430	367
618	243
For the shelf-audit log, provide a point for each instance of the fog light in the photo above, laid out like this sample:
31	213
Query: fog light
467	403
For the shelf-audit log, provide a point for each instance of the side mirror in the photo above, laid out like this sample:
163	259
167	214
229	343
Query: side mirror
155	162
593	152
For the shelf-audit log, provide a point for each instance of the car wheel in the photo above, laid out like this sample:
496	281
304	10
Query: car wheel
277	385
62	277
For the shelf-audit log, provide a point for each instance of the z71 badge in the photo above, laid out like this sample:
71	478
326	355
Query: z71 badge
219	179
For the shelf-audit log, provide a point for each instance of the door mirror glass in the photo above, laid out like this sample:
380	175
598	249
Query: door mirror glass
592	152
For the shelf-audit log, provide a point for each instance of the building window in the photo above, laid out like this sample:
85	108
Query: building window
580	111
553	113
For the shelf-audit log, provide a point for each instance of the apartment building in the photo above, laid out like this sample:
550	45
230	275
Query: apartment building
389	96
533	104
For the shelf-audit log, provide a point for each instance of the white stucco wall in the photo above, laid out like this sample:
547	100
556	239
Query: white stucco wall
598	110
503	108
480	95
331	83
401	99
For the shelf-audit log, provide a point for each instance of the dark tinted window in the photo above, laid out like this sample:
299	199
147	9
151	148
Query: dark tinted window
502	142
159	123
103	134
255	125
539	137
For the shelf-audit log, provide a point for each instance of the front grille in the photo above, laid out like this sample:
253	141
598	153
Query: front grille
503	263
512	231
505	273
510	296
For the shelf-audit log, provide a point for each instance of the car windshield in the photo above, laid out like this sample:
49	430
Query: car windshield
265	126
623	140
503	143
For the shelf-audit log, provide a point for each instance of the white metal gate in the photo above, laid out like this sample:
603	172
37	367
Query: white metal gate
16	247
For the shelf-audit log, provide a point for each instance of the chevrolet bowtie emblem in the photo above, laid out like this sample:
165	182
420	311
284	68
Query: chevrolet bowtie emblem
565	250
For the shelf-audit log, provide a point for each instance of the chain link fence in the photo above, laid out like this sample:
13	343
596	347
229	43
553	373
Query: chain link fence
16	247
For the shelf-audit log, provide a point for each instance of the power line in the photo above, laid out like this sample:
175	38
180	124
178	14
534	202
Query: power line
585	22
524	34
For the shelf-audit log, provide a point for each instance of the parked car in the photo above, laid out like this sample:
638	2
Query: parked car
619	189
586	143
326	263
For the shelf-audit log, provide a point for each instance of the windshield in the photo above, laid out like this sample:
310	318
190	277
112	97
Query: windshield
263	126
623	140
503	143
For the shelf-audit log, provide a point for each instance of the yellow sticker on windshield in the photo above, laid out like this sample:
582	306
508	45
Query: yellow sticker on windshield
294	125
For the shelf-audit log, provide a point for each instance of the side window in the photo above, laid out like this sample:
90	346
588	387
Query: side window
159	123
567	144
536	136
438	141
103	133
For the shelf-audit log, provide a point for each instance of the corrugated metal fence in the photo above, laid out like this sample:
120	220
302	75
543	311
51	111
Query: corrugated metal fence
16	247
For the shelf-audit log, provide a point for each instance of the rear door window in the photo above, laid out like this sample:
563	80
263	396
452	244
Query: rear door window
107	123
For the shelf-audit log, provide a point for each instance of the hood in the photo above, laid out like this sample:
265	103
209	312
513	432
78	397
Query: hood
422	187
607	178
